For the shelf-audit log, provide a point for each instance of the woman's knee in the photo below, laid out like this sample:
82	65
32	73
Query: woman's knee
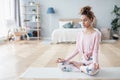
89	69
66	67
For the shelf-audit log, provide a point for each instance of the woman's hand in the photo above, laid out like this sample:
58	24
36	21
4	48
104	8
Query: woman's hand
59	60
96	66
87	56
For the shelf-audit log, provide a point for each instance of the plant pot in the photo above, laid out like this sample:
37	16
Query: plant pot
115	36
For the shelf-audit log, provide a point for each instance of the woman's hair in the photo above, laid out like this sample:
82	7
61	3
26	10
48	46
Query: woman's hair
87	11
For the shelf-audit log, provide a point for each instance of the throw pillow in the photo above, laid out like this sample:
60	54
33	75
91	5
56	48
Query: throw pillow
61	23
77	25
68	25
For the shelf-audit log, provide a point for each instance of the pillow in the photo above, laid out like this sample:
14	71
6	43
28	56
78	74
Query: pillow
68	25
81	24
61	23
77	25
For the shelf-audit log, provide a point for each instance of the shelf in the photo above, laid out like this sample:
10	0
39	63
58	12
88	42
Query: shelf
34	38
34	29
31	14
31	5
35	21
32	19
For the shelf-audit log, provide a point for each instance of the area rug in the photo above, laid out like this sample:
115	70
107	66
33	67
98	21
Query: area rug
53	72
46	42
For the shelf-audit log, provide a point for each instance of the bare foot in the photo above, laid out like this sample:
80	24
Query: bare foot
96	66
76	64
59	60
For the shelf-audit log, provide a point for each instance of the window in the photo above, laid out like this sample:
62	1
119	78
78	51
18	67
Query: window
6	13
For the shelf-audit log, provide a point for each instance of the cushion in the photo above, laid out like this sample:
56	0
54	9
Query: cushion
68	25
61	23
105	33
77	25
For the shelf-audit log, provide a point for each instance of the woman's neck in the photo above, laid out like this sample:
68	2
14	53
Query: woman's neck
89	30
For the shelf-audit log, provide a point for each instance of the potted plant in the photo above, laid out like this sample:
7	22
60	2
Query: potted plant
115	22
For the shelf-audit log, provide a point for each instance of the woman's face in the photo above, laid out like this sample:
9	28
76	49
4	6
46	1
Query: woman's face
86	22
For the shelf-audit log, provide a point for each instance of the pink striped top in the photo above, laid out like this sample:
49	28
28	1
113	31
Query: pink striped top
87	44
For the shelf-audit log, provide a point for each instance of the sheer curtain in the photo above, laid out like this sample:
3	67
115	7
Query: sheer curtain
17	12
6	14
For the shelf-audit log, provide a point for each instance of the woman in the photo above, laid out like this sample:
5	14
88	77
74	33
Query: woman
87	44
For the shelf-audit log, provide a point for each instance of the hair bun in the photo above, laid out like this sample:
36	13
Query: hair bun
85	9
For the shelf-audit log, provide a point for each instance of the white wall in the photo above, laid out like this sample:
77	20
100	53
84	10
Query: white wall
70	9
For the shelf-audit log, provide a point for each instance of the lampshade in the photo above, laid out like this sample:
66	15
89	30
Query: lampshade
50	10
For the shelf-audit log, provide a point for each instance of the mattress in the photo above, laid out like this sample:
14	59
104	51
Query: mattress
64	35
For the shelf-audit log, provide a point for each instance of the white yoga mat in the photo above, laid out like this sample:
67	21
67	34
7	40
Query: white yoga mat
51	72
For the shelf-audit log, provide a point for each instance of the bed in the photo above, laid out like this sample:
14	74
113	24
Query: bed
65	34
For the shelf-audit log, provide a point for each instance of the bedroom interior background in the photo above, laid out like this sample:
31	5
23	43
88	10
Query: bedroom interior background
66	9
7	13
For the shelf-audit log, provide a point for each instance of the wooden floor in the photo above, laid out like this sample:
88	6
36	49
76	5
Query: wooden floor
15	58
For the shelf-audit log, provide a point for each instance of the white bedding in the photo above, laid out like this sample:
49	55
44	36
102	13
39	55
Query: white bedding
64	35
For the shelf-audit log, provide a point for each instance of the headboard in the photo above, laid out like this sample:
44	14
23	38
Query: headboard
77	20
74	20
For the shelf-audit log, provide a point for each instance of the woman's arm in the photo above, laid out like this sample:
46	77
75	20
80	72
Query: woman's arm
96	48
73	54
76	50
